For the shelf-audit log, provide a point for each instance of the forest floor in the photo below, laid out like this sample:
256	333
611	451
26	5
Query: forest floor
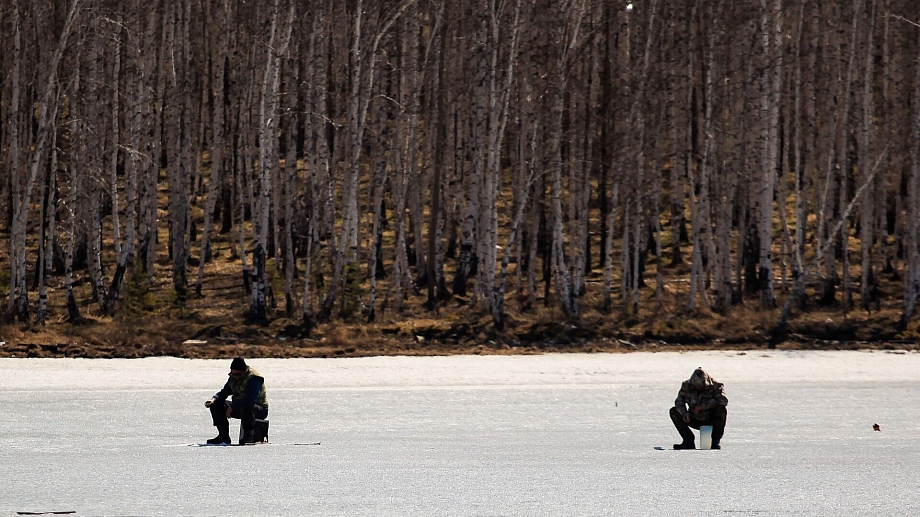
150	322
213	326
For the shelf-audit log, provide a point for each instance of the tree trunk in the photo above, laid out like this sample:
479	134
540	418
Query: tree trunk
912	253
215	179
867	205
14	153
437	171
770	99
362	81
406	153
268	158
47	109
50	201
470	228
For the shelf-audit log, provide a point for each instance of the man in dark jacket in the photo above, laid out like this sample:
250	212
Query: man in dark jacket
701	401
247	386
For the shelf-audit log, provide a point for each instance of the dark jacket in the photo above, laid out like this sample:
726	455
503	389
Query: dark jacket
249	389
700	391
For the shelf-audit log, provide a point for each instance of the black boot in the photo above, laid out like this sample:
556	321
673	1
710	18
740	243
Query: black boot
247	437
685	445
223	435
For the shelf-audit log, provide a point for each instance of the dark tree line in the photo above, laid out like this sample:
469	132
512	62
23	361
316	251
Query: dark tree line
515	145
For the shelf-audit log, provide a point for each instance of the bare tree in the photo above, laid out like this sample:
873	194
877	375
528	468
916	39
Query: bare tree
220	13
912	252
23	186
490	139
50	207
279	37
867	206
362	80
770	104
14	153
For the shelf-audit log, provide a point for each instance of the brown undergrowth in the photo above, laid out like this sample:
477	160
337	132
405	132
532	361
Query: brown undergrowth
155	322
213	326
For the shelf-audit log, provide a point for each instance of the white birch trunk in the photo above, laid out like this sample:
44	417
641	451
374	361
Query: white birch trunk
73	182
268	158
154	94
362	77
498	117
797	165
568	37
136	86
560	270
867	205
47	109
439	120
843	160
407	152
92	148
316	123
881	194
215	179
639	116
348	237
471	240
50	200
379	179
267	163
115	110
608	257
771	97
14	150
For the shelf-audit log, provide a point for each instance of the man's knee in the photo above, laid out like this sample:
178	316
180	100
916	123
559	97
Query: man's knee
675	415
219	409
260	412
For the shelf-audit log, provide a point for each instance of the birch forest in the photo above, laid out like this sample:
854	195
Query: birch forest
353	161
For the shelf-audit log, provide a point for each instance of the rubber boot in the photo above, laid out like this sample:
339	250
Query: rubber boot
247	437
223	434
685	445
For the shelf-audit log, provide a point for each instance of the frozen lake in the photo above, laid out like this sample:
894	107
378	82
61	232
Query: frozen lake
551	435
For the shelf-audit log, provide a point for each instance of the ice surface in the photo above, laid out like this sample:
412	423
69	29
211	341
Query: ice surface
550	435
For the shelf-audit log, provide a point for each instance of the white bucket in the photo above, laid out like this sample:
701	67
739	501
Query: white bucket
705	437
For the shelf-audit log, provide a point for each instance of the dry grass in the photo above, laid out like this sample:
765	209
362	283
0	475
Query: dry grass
155	323
215	323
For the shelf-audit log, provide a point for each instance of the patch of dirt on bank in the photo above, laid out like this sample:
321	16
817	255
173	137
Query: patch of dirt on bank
199	337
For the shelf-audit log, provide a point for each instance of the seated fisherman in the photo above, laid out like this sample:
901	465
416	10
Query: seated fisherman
701	401
247	386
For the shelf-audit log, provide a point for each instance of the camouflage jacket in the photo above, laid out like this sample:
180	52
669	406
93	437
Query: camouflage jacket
707	397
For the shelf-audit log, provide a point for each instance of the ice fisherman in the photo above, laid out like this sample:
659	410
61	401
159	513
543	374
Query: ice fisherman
701	401
247	386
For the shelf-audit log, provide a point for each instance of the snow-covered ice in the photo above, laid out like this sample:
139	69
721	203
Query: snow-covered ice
548	435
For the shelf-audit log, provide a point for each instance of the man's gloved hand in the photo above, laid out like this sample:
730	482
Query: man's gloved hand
209	402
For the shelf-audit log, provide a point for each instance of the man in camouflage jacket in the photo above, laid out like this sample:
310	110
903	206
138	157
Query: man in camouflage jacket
247	386
701	401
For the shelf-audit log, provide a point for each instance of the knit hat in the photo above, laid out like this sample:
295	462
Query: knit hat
238	364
